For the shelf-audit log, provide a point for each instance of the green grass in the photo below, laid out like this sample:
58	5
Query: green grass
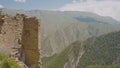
6	62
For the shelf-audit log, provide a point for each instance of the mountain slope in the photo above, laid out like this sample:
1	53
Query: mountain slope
95	52
67	54
103	50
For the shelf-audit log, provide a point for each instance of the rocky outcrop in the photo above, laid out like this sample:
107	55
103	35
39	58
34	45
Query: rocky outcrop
19	38
72	63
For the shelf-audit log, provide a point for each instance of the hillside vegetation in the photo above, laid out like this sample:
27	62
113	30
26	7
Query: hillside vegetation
6	62
67	54
100	52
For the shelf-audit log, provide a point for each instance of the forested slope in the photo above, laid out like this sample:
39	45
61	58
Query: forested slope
95	52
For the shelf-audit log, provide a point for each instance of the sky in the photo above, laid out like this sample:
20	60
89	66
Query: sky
34	4
102	7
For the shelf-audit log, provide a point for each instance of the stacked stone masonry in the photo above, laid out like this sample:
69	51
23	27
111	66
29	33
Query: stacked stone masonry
19	36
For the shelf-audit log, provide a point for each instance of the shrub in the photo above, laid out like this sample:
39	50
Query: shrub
6	62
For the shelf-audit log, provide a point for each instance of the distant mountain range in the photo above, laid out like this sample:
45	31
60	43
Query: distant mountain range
60	29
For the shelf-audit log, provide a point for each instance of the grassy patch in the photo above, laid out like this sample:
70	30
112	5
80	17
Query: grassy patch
6	62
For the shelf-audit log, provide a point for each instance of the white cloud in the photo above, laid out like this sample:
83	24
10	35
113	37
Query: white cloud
74	1
1	6
105	8
22	1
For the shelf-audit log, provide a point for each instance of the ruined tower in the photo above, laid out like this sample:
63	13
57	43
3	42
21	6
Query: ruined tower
20	35
30	41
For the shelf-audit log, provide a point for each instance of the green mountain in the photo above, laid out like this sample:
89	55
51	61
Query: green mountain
103	50
95	52
60	29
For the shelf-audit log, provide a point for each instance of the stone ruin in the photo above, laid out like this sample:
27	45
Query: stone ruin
19	38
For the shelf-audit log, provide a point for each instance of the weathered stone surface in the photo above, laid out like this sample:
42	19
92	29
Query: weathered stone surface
30	41
11	29
21	32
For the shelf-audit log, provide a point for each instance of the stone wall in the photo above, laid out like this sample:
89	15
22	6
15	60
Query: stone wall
11	29
21	32
30	41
